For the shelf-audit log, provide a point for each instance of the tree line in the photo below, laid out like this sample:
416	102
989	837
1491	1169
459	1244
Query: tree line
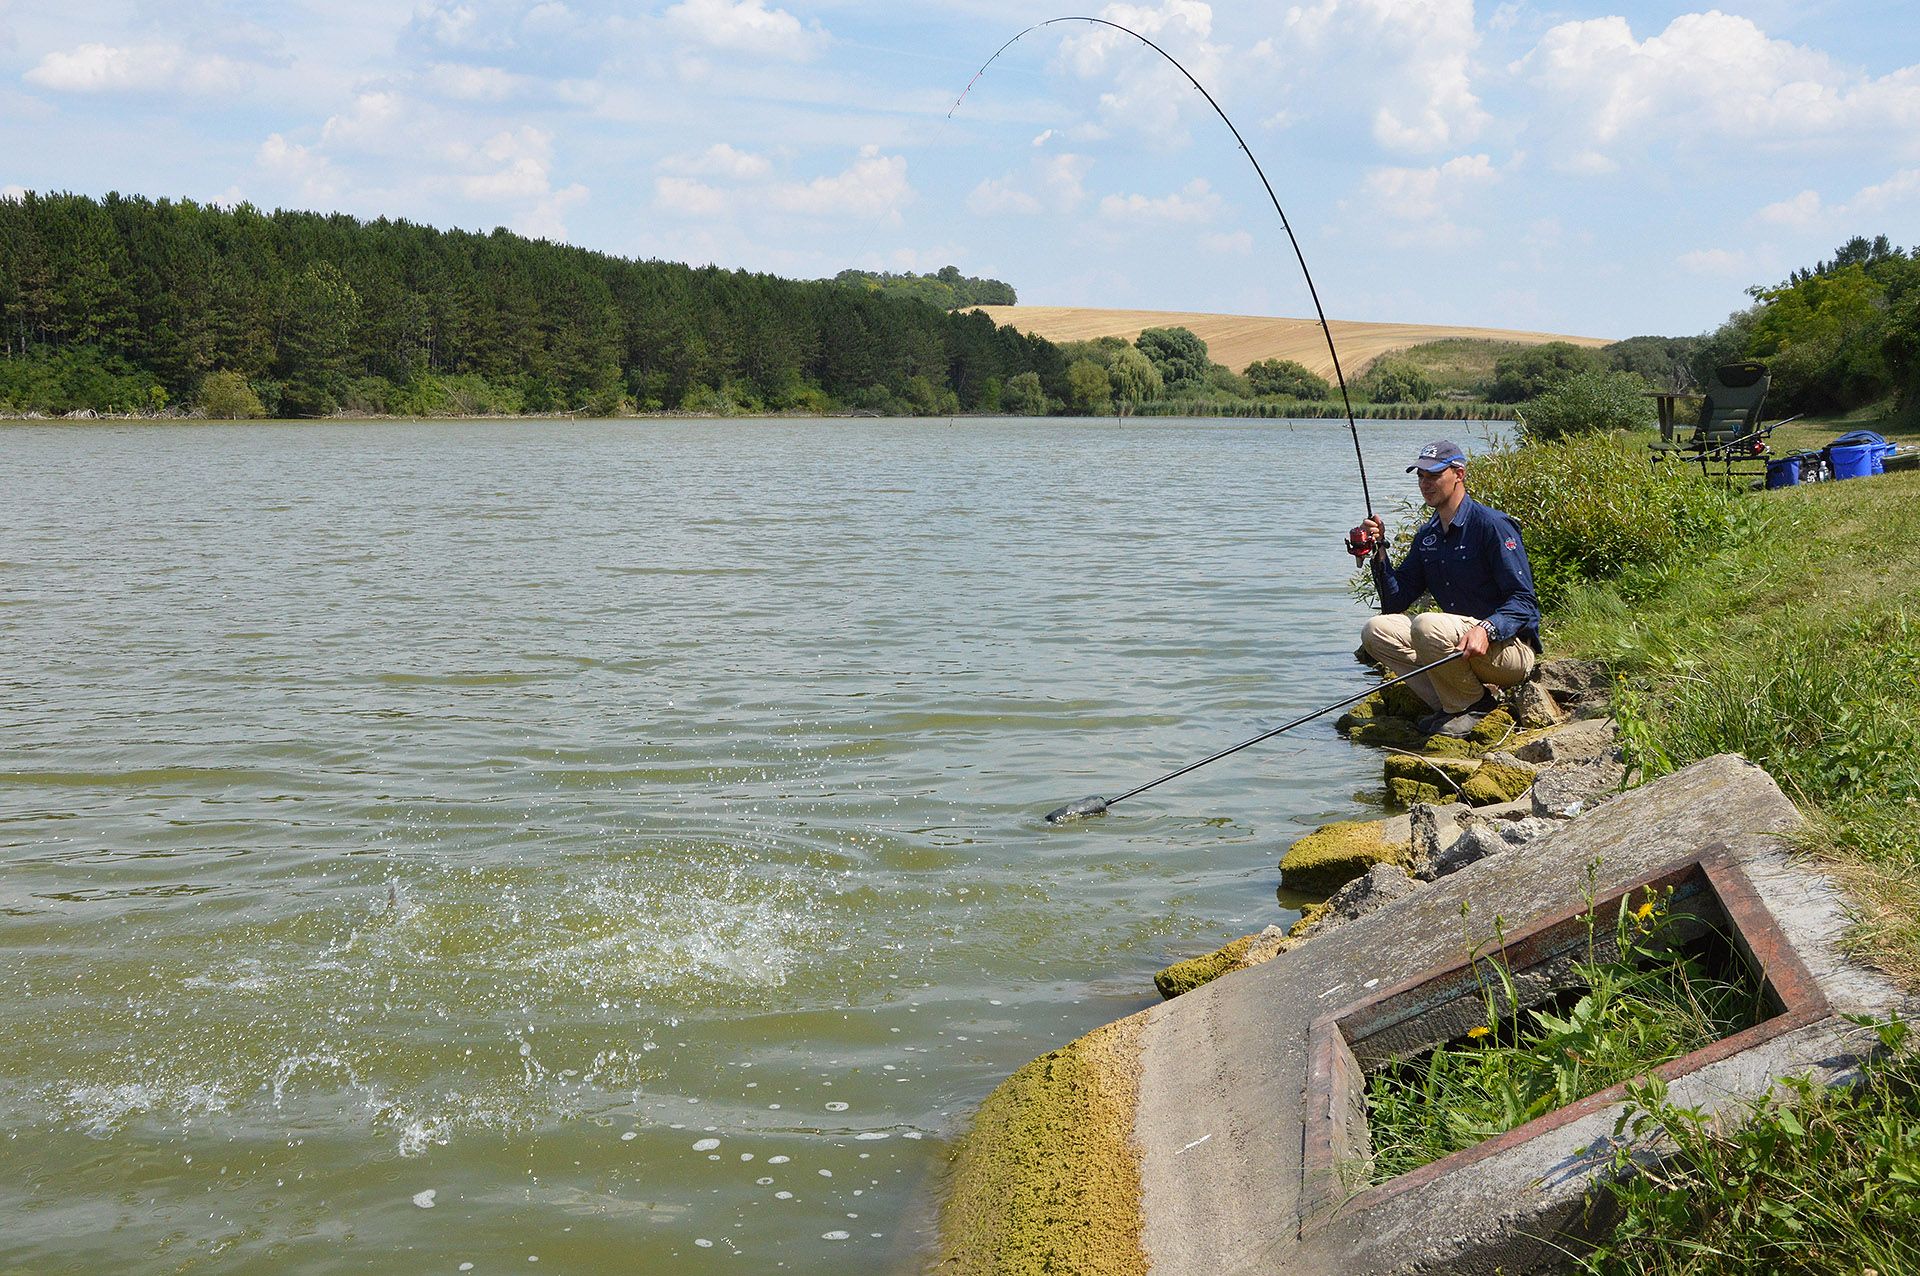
127	304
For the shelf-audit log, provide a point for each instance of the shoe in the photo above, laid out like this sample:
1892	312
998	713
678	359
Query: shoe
1459	724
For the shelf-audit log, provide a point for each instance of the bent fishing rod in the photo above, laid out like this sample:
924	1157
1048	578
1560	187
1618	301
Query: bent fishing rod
1360	541
1097	805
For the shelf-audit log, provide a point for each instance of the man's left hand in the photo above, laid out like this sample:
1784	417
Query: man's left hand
1475	642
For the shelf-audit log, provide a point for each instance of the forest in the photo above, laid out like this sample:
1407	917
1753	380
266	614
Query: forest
127	304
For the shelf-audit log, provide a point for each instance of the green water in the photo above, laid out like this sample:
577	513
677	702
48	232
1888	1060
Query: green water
616	846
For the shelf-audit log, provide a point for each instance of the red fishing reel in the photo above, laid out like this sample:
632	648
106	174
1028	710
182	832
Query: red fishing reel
1360	542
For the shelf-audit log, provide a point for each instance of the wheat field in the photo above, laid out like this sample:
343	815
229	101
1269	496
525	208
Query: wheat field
1238	340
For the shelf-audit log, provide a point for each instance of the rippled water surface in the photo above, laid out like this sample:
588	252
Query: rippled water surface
617	844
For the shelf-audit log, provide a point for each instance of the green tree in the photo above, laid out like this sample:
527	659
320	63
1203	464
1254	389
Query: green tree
1023	396
1089	387
1135	379
1520	376
1392	380
226	396
1589	403
321	311
1285	379
1178	354
1665	362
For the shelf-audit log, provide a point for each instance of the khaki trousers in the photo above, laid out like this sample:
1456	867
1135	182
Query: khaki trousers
1402	643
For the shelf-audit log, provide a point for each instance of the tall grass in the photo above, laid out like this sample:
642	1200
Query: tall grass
1592	508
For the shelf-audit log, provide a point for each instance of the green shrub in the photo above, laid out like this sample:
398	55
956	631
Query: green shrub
1285	379
226	396
1589	403
1023	396
1395	380
1592	509
1528	373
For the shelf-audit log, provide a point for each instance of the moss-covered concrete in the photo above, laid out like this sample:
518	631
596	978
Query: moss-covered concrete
1403	793
1450	746
1395	703
1242	953
1496	782
1185	976
1328	858
1048	1178
1407	766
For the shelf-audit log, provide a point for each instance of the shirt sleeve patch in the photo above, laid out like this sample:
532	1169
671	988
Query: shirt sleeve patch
1512	543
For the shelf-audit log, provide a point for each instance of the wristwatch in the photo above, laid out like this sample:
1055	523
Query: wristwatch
1488	626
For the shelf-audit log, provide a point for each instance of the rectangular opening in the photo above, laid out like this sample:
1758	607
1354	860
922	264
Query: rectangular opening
1718	920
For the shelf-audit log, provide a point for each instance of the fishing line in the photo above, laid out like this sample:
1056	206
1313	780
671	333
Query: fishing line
1326	329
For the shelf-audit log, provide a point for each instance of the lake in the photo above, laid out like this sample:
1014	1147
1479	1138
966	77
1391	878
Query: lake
619	845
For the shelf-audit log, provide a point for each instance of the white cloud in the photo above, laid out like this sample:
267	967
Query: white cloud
1147	101
10	191
473	83
309	174
1057	182
997	196
688	198
719	160
1415	58
1236	243
747	26
514	166
1424	194
1195	203
1717	262
1041	140
1707	75
546	220
105	68
1895	200
379	121
876	184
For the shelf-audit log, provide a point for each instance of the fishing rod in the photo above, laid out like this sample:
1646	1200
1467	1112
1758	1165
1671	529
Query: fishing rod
1360	541
1097	805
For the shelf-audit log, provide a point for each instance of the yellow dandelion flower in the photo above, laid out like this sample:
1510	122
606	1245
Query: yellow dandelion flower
1479	1031
1644	911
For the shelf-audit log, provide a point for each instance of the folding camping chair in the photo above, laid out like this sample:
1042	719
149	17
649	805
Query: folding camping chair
1728	437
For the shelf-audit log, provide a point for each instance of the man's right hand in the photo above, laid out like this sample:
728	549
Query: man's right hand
1379	531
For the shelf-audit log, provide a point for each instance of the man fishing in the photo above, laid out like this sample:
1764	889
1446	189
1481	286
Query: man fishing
1469	557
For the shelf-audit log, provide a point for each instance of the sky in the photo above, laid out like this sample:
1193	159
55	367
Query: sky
1608	170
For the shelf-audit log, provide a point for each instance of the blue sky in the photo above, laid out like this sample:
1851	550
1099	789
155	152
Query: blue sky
1600	169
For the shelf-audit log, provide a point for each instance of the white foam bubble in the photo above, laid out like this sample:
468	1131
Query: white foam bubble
706	1145
424	1199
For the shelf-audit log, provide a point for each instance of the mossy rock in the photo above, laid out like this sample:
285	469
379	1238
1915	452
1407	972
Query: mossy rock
1402	794
1309	918
1425	766
1185	976
1497	782
1328	858
1450	746
1391	733
1402	703
1048	1177
1492	730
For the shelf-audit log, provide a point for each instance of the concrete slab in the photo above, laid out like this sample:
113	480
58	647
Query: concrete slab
1220	1119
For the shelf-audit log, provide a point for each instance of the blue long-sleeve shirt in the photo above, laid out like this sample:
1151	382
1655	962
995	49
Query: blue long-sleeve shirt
1478	567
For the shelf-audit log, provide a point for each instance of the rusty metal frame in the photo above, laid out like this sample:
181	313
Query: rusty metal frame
1335	1112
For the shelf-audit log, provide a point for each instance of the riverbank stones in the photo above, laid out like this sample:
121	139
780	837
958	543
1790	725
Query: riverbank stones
1328	858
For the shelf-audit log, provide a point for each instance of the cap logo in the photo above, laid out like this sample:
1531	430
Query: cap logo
1429	453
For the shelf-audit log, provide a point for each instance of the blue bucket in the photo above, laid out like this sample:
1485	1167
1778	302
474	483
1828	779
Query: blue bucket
1880	458
1784	472
1854	460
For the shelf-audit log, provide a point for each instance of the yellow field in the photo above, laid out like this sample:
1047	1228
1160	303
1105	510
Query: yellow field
1237	340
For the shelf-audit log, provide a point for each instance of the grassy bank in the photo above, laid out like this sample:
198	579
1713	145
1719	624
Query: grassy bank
1785	627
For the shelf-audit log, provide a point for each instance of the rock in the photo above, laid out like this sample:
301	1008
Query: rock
1432	830
1576	742
1563	792
1449	746
1497	782
1393	733
1533	706
1492	731
1383	884
1475	843
1580	685
1328	858
1520	832
1402	793
1519	809
1414	766
1394	702
1242	953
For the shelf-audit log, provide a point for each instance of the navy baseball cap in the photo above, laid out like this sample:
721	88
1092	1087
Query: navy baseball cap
1435	457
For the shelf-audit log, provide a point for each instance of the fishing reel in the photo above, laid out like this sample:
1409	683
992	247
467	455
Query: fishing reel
1360	542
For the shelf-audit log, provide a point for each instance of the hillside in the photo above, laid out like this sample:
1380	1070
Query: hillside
1237	340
